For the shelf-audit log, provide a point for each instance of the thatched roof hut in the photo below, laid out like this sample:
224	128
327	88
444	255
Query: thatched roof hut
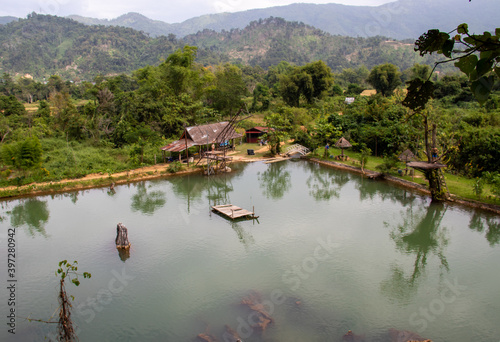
343	143
406	156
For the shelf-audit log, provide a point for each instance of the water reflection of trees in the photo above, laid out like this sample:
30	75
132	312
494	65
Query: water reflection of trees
420	234
479	221
30	212
324	185
218	190
369	189
147	201
73	196
243	236
275	181
199	190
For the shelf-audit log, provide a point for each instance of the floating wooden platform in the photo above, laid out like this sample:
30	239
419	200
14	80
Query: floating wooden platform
232	211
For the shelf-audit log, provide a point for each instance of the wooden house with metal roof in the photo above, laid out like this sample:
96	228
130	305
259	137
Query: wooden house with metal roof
220	133
253	134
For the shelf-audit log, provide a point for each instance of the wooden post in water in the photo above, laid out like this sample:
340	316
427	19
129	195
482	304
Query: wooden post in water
122	237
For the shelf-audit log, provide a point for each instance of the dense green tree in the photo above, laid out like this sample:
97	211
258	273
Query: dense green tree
9	105
227	94
25	154
352	76
177	70
8	86
262	95
321	77
385	78
56	84
354	89
325	132
289	90
449	85
64	111
281	124
420	71
310	82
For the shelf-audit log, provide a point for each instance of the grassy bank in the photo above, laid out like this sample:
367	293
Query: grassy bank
69	165
460	186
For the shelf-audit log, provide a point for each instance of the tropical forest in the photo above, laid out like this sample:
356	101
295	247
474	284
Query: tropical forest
78	100
251	175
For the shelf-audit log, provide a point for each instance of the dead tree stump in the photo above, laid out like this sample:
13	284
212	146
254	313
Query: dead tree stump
122	237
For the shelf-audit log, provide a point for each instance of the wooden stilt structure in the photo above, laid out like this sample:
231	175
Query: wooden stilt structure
435	176
217	162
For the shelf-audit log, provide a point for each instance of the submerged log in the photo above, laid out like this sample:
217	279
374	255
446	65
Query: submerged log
206	337
122	237
253	301
352	337
230	335
405	336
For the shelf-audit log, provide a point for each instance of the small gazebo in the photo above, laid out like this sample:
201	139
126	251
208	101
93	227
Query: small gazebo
405	157
343	143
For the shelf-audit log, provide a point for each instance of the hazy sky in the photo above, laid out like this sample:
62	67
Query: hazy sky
171	11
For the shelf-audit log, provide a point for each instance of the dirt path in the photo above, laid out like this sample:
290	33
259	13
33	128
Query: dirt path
140	174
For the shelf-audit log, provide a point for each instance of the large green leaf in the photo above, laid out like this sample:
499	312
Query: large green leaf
419	93
467	64
482	88
432	41
484	66
448	47
463	28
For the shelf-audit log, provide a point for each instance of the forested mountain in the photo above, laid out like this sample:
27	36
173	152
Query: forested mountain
42	45
6	20
400	19
133	20
270	41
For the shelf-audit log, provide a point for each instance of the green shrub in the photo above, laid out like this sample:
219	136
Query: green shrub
176	166
389	163
24	154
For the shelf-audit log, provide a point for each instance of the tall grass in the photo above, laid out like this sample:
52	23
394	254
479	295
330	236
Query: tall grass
69	159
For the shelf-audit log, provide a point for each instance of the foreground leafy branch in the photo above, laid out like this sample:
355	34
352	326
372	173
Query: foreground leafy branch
65	328
476	55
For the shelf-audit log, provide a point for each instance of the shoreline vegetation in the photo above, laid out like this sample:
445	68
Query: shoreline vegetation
102	180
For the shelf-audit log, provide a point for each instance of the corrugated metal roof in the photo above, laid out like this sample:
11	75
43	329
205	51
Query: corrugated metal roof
178	145
201	135
260	129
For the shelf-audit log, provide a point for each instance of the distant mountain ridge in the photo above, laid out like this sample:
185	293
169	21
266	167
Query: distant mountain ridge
7	19
401	19
43	45
133	20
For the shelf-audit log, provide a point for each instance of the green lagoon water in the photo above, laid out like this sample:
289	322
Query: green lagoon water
330	252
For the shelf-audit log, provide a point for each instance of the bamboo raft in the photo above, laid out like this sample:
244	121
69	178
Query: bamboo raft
233	212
